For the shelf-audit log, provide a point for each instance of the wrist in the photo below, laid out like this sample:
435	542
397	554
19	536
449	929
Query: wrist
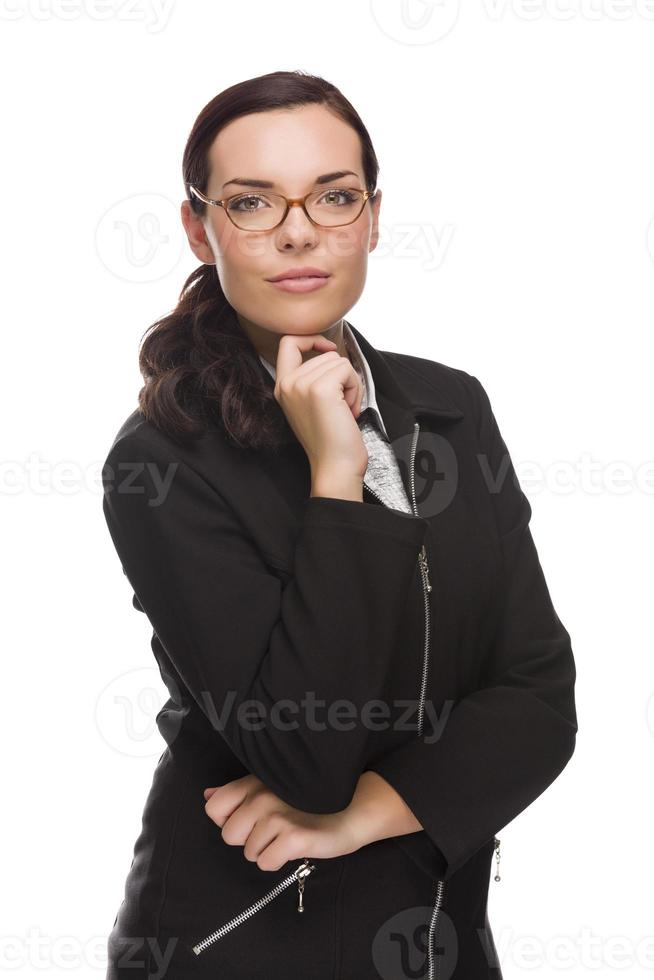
337	482
378	811
373	812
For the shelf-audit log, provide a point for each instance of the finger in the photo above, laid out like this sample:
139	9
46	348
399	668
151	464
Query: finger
278	852
242	783
357	398
222	801
312	370
291	347
261	835
314	366
348	377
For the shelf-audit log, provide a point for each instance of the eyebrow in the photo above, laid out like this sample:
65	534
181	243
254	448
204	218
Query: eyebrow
323	179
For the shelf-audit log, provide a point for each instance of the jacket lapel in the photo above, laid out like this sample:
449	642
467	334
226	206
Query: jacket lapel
407	395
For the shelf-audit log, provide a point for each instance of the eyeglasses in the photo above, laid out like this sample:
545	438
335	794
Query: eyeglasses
329	208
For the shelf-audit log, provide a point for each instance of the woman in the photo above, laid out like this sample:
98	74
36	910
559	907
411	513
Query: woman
367	676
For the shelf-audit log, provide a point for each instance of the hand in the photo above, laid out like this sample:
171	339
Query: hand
271	831
321	399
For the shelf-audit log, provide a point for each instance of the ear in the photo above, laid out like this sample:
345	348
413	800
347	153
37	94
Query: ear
196	234
374	232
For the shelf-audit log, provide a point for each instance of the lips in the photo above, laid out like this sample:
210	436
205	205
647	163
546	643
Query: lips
306	272
301	284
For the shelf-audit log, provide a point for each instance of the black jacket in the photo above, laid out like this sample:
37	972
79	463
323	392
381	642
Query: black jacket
455	679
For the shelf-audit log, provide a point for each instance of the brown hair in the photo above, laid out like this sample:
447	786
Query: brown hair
198	365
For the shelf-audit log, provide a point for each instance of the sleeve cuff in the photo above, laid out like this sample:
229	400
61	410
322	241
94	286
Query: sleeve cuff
335	511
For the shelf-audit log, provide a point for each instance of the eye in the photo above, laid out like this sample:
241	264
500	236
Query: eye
329	197
247	199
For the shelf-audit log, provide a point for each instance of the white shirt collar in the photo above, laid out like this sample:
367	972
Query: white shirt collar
363	370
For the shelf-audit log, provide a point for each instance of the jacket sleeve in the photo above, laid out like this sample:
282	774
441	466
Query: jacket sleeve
255	652
501	745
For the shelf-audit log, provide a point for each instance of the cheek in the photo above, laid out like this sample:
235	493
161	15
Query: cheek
242	262
240	254
347	248
346	252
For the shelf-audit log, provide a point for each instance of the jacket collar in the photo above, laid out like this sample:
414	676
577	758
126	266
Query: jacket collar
403	393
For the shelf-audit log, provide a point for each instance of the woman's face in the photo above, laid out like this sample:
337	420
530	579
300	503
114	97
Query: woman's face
291	148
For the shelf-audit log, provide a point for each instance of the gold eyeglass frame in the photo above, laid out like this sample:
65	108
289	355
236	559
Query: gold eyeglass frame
290	202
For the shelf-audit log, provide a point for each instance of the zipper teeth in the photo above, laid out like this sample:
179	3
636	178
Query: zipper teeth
432	928
423	573
252	909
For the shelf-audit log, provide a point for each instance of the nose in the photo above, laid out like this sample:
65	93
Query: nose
297	227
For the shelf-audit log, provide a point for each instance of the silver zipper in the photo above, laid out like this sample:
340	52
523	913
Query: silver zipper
497	843
300	875
426	586
431	970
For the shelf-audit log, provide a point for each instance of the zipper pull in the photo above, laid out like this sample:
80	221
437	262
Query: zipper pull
424	564
302	872
497	860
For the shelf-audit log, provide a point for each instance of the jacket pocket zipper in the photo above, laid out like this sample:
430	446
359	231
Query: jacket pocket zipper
497	842
300	875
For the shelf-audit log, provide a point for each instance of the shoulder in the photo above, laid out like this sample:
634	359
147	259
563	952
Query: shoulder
141	439
129	429
190	471
454	380
456	387
135	437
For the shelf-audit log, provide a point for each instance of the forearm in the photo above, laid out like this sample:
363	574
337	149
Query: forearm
378	811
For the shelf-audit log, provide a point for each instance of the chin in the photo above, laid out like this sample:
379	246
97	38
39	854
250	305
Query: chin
308	319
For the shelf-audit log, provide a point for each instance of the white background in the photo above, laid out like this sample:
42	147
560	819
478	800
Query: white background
517	161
